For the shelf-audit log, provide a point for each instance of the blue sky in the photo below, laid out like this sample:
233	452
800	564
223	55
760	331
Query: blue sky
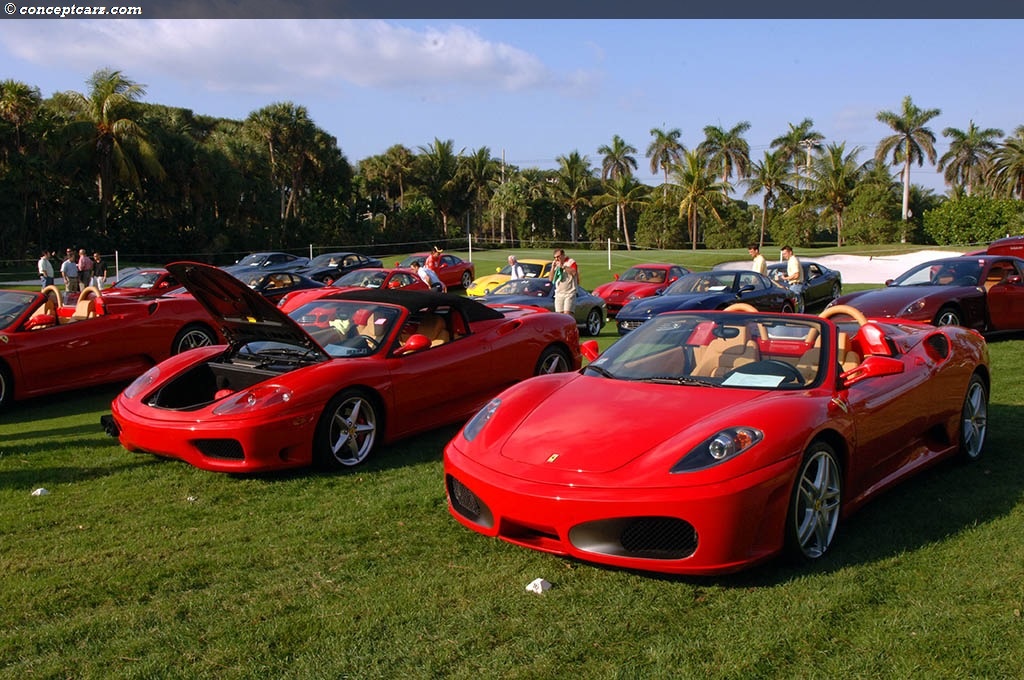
537	89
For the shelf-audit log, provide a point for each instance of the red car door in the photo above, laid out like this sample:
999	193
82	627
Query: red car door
1005	295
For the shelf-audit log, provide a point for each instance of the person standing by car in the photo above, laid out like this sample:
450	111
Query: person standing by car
515	269
433	261
758	263
794	275
565	276
84	268
69	271
99	271
45	269
429	277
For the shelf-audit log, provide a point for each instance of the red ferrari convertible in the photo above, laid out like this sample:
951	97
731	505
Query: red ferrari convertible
726	437
332	379
48	347
639	281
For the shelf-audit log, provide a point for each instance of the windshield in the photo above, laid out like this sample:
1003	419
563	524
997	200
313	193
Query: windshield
719	349
138	280
643	275
254	260
344	327
361	278
533	287
942	273
13	304
407	262
708	282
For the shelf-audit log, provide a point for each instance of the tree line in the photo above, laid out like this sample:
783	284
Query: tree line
107	170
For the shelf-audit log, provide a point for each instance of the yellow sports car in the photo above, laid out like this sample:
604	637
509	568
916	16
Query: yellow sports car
485	284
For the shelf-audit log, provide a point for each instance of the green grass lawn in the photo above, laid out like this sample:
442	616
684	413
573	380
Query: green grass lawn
138	567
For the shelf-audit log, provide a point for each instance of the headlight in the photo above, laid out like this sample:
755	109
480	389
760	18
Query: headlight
262	396
142	383
721	447
913	308
477	422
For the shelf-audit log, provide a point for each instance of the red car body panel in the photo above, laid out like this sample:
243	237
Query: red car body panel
127	337
527	479
416	391
620	291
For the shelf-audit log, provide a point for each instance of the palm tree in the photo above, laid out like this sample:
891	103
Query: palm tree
769	177
966	162
18	105
832	180
479	170
1007	170
802	138
572	185
726	150
293	145
912	142
664	151
617	162
398	161
108	133
701	191
438	166
622	193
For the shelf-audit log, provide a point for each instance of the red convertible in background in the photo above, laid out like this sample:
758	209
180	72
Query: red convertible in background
333	379
48	347
726	437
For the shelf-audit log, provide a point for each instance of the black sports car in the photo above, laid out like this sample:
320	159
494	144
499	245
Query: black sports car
823	285
709	290
329	267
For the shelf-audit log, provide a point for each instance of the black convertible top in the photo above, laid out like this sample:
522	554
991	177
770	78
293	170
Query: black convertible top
414	300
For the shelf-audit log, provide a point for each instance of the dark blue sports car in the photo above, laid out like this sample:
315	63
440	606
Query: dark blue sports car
710	290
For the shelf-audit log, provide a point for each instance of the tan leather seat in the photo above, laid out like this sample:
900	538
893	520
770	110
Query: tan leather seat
724	354
434	327
808	363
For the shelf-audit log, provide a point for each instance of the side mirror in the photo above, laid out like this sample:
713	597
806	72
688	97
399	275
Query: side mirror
497	269
1015	280
872	367
744	289
889	282
415	343
616	277
589	349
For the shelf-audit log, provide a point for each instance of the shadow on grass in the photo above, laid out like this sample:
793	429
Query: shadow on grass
24	419
32	477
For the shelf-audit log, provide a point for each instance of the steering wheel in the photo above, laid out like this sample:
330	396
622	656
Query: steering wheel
789	373
740	307
849	311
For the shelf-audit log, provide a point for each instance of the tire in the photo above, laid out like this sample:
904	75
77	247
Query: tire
837	291
815	504
552	360
948	316
593	324
467	280
973	420
347	431
192	336
6	387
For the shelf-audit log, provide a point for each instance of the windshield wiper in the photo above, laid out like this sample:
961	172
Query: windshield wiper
678	380
601	371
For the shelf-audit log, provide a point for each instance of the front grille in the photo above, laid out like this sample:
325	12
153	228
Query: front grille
631	325
230	449
467	503
656	538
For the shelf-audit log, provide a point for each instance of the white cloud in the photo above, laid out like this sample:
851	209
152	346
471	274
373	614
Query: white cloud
286	58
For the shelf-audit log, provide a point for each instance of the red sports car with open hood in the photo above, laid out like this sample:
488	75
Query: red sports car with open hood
726	437
639	281
332	379
48	347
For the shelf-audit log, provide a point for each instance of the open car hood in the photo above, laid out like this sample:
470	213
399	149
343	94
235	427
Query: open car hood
245	316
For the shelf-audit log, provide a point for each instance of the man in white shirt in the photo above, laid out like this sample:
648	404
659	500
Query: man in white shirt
45	269
429	277
515	269
758	264
794	276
